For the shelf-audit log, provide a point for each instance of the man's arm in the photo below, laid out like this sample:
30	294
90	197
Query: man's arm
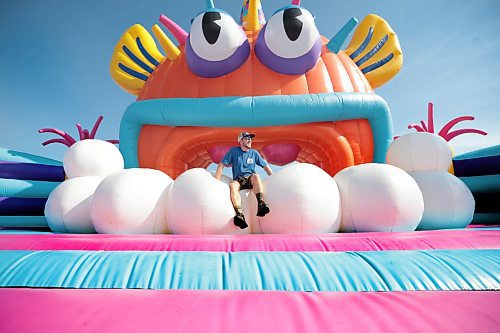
268	170
226	161
218	174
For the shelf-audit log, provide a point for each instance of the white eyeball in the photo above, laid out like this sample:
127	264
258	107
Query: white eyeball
291	33
215	36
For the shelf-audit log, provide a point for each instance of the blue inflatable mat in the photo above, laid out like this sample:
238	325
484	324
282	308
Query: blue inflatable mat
288	271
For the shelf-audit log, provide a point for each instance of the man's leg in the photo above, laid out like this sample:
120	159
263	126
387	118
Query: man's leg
258	189
234	192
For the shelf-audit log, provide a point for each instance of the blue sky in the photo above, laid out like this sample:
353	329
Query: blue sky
55	56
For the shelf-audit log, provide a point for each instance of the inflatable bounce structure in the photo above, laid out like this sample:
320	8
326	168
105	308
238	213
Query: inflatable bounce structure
142	236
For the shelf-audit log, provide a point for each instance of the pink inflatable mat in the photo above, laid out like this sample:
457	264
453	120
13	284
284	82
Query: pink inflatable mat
421	240
128	310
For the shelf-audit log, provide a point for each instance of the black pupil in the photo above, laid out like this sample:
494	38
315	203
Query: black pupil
211	30
293	26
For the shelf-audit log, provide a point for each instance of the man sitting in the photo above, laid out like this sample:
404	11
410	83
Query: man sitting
243	160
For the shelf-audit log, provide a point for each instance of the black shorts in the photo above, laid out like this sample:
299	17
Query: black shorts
245	182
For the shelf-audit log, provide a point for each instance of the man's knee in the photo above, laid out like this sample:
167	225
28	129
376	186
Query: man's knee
234	186
255	177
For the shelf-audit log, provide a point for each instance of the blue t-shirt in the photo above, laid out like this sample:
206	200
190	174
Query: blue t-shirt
243	162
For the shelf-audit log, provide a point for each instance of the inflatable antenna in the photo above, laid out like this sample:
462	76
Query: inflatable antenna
210	4
179	34
252	16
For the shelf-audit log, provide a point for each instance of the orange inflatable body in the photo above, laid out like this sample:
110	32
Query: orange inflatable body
177	149
331	145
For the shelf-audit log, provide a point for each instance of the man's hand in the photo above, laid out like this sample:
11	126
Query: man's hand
268	170
218	173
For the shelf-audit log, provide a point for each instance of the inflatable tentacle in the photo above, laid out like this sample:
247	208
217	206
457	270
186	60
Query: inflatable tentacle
430	117
68	140
450	135
134	59
446	128
179	34
64	142
445	131
96	127
65	136
424	125
81	134
376	50
417	127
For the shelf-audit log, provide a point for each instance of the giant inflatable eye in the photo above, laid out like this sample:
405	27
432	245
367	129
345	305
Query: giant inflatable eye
216	45
290	42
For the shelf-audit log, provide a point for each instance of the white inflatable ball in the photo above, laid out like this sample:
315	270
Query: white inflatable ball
303	199
197	203
68	206
92	158
420	152
448	202
132	201
378	197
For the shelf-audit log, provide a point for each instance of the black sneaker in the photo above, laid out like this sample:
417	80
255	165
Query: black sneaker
239	221
262	209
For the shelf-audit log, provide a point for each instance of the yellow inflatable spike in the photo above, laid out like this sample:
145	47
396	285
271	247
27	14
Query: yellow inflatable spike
170	49
253	16
376	50
452	169
134	59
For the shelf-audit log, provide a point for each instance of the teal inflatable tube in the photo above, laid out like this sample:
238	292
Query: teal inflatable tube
285	271
483	184
258	111
23	222
480	153
9	155
26	188
486	219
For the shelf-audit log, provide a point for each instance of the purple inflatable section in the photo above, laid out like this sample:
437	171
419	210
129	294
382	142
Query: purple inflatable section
31	171
22	206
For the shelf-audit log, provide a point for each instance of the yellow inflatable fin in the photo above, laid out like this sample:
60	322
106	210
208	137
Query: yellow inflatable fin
134	59
376	50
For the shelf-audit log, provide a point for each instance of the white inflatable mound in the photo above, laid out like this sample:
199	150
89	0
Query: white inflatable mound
378	197
448	202
420	152
68	206
92	158
303	199
197	203
132	201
